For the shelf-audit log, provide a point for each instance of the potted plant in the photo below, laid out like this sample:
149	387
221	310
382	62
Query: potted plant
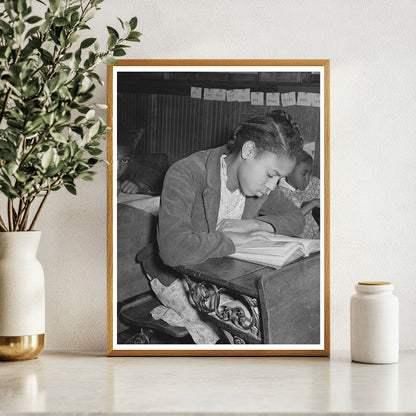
50	136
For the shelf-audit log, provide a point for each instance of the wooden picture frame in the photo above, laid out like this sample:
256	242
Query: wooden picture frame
172	108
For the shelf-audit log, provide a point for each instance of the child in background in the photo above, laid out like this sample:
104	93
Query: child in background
140	174
303	190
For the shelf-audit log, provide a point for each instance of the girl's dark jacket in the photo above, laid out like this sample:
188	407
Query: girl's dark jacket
189	210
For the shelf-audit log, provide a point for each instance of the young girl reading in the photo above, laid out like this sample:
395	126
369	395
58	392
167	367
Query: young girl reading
303	190
218	199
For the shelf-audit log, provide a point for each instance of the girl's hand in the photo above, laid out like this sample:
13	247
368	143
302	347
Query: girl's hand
240	239
129	187
244	226
308	206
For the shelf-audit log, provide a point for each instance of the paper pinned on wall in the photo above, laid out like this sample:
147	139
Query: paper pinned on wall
272	98
288	98
196	92
219	94
232	95
244	95
257	98
316	100
304	99
209	94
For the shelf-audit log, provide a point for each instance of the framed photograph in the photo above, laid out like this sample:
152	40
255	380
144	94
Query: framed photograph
218	208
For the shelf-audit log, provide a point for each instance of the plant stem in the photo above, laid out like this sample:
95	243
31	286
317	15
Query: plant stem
20	212
3	109
39	209
26	216
2	224
16	217
10	213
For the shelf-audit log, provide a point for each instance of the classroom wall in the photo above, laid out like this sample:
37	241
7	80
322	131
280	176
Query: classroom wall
180	125
373	127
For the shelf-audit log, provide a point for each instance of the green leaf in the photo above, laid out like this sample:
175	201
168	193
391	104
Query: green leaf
7	29
33	19
110	60
73	38
61	21
74	18
94	151
47	158
86	176
112	41
78	154
92	161
32	31
63	41
21	177
11	168
88	16
15	124
46	56
67	153
135	34
10	7
52	171
94	129
121	22
27	11
48	118
31	90
20	28
60	138
133	38
90	114
119	52
35	125
133	23
82	98
53	83
54	4
70	188
21	5
8	190
66	56
5	145
87	42
112	31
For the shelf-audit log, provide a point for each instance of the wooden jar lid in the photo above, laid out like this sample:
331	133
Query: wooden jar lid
374	283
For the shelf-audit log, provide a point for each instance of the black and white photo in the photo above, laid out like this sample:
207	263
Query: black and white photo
218	208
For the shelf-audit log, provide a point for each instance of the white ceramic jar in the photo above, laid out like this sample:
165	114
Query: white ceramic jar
374	323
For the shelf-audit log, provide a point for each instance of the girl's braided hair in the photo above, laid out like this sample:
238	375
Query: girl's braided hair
275	132
306	157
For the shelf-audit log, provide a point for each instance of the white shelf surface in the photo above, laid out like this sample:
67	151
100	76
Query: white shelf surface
86	383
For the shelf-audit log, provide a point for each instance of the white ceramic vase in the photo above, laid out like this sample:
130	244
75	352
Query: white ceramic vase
22	296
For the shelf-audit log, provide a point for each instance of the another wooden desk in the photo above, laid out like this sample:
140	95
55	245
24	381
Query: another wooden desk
257	304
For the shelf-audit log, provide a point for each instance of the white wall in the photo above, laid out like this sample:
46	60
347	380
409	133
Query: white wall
371	45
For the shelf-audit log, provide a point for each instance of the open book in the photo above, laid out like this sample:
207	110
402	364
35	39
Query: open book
277	250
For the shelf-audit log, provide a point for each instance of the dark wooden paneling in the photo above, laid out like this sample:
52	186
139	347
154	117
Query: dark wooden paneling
180	125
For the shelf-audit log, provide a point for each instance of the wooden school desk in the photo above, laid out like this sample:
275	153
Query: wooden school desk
258	304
